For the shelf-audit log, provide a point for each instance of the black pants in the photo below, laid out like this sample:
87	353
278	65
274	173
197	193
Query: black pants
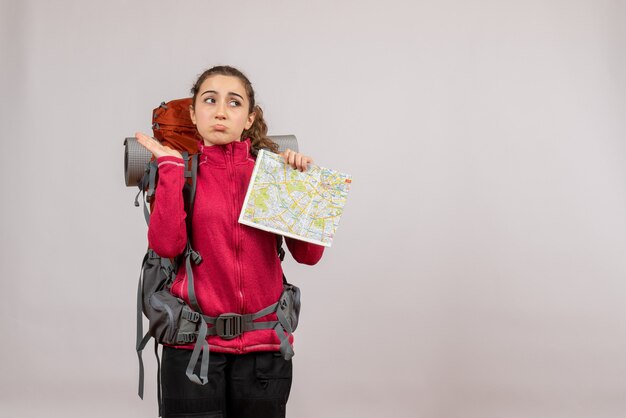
240	386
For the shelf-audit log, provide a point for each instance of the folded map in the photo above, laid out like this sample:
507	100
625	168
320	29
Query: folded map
305	206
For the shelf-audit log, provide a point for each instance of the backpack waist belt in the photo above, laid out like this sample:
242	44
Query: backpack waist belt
232	325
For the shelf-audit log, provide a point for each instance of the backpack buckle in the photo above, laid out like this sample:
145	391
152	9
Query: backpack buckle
186	337
190	315
194	255
228	326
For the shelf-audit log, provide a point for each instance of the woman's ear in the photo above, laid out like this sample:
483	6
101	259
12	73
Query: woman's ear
192	114
250	120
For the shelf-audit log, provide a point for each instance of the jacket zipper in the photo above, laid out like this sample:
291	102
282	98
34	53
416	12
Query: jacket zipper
231	165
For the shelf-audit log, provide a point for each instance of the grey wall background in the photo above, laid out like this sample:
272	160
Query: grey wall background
479	267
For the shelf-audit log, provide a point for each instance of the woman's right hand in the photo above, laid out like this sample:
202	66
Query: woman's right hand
155	147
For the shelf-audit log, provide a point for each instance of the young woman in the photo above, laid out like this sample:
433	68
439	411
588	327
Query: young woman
241	272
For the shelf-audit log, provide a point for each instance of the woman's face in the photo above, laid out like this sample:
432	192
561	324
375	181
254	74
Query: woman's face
221	110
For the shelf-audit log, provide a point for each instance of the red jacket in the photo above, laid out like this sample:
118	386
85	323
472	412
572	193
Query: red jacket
241	271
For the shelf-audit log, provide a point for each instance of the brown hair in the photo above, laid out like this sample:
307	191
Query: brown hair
258	131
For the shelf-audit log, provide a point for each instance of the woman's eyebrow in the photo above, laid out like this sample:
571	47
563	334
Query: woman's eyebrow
232	93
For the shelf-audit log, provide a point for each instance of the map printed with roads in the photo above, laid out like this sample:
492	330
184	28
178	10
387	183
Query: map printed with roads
305	206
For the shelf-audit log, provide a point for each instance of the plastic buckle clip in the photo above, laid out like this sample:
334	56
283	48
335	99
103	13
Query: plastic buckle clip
194	255
228	326
185	337
190	315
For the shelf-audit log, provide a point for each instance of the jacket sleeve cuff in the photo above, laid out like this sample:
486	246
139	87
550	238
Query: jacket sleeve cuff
304	252
170	159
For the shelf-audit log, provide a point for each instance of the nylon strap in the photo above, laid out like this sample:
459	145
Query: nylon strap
156	353
249	326
192	192
280	251
151	171
141	340
189	251
137	196
152	179
281	326
248	318
285	347
167	268
193	301
142	345
265	311
146	212
201	345
283	321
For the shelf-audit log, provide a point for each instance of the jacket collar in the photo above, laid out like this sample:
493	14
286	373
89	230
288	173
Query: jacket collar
219	154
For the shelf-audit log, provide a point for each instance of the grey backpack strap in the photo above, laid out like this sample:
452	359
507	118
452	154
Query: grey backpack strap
201	345
192	174
140	347
156	353
147	186
190	253
284	326
154	166
149	196
280	251
141	339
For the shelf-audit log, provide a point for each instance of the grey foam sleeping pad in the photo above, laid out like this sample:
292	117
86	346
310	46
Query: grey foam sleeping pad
136	156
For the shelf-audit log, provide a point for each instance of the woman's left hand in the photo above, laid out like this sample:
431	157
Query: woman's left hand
296	160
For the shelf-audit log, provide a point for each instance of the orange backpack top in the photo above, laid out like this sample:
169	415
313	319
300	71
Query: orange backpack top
172	125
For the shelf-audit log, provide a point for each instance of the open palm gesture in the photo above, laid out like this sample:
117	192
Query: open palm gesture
155	147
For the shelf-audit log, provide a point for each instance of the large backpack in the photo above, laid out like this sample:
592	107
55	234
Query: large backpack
171	320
